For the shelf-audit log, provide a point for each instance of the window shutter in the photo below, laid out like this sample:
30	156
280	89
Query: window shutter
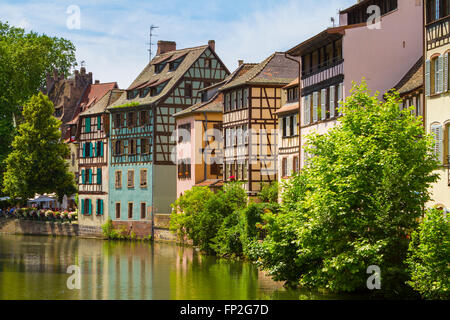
90	176
438	147
295	125
323	101
82	207
315	102
90	206
101	149
91	151
427	78
332	98
441	74
87	122
340	96
99	176
99	123
83	146
307	110
446	72
83	177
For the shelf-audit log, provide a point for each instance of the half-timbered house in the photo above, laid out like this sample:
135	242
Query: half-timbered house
437	91
250	122
93	154
143	130
200	139
288	131
381	52
411	89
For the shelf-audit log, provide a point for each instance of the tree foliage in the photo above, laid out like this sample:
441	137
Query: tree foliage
429	256
356	202
25	59
37	163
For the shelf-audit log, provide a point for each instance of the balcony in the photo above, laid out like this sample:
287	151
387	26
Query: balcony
90	188
323	73
437	33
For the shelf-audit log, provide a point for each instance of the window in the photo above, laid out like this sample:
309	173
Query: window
131	147
130	119
118	179
184	169
208	63
143	118
117	210
233	100
184	133
143	210
99	207
227	102
239	99
292	94
118	148
437	75
284	125
284	167
99	149
143	178
118	120
245	98
295	164
175	64
188	90
159	67
130	210
145	146
130	179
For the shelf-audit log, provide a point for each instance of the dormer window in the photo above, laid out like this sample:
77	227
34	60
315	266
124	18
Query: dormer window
154	91
159	67
292	94
144	92
132	94
175	64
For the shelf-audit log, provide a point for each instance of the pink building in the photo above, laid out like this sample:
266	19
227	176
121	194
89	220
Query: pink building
380	46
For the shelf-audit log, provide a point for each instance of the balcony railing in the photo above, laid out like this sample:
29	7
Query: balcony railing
438	33
323	73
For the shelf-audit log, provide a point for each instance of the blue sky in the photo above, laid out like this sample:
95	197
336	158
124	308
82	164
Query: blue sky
113	34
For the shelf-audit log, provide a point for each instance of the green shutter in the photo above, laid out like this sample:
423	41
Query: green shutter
82	206
83	146
99	176
88	125
101	207
83	177
91	150
101	149
90	206
99	123
90	176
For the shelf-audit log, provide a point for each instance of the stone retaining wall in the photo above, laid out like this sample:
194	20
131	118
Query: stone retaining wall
141	229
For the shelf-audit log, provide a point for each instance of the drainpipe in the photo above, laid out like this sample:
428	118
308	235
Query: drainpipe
299	106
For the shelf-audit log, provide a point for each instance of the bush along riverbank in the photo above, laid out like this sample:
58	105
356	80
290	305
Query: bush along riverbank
223	223
357	205
111	232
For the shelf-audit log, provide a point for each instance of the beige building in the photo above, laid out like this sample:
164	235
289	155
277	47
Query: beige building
437	100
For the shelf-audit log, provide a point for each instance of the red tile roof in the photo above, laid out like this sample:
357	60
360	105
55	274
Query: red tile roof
94	93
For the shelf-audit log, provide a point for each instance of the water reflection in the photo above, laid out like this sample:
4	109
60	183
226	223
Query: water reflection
35	268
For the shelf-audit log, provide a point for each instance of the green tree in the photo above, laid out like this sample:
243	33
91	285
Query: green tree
354	205
37	163
429	256
269	192
25	59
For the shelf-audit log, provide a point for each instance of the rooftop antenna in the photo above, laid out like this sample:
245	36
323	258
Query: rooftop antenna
150	44
82	63
332	20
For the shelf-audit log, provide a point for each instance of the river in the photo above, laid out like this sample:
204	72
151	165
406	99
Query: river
34	267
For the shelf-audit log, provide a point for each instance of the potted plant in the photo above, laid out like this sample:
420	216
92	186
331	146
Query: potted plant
49	215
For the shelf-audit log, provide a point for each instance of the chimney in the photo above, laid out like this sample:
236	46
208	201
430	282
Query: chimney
83	71
240	62
212	45
166	46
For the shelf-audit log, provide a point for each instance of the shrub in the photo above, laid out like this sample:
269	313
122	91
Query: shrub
429	256
269	192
